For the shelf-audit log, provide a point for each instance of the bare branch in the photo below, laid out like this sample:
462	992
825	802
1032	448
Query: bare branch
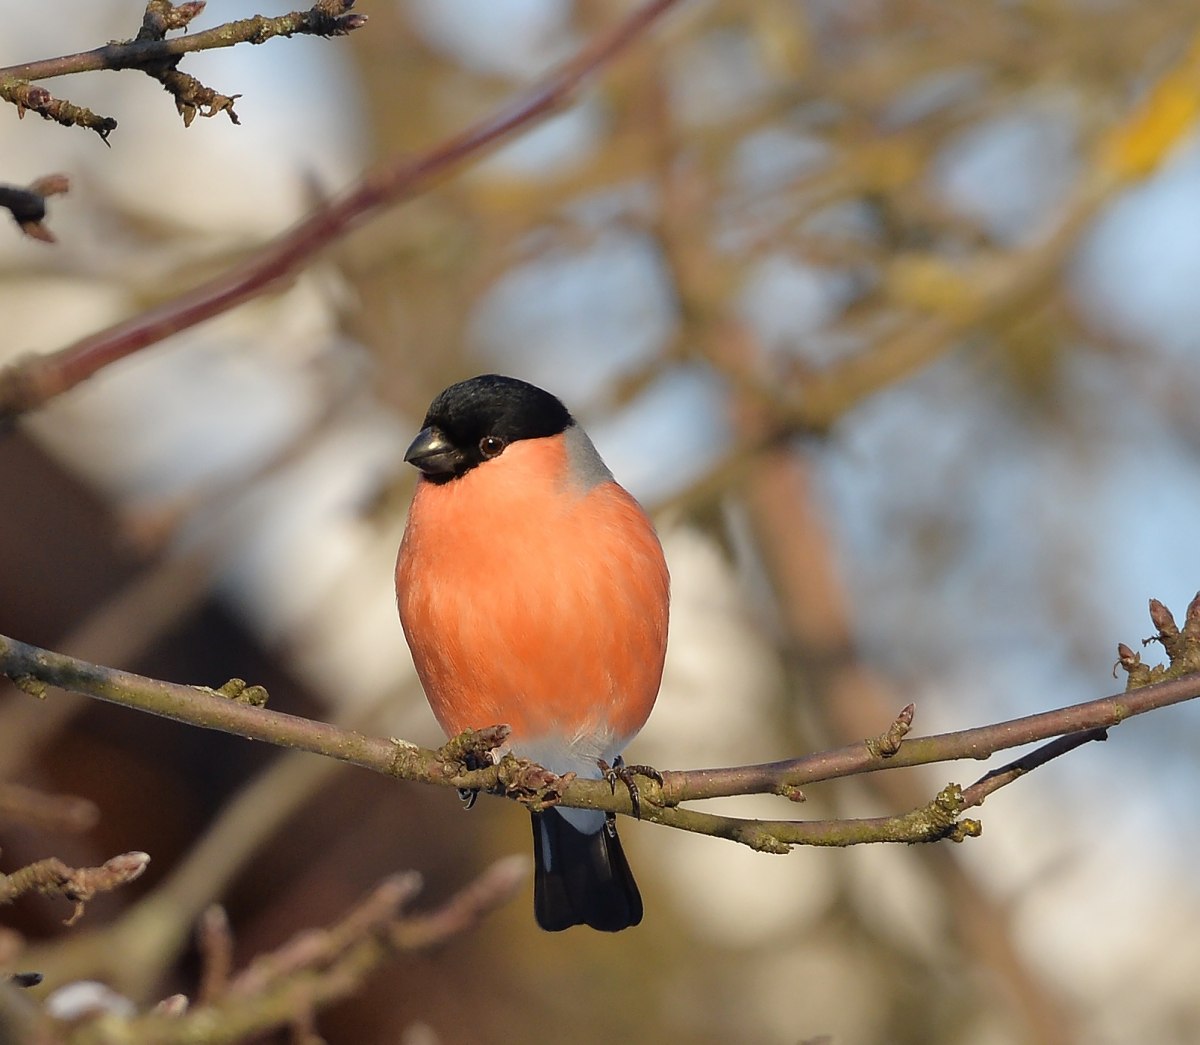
215	943
158	57
998	778
532	785
315	949
56	812
319	967
465	909
30	383
30	97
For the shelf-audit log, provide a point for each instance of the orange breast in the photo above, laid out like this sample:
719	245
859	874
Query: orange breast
530	602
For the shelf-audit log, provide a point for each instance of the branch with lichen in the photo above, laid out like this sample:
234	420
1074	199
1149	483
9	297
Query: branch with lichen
158	57
31	382
1149	688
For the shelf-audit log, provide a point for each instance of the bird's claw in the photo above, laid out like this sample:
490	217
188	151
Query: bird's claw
472	749
625	774
532	785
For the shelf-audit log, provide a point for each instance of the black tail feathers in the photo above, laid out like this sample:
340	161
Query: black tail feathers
581	879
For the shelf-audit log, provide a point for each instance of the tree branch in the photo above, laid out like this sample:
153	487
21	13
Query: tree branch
978	743
55	812
1005	775
157	56
317	968
33	669
33	381
78	884
149	49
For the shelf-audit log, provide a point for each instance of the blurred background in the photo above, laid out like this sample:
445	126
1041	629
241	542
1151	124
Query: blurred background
865	302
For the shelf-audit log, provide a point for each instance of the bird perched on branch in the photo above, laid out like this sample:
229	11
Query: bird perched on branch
533	592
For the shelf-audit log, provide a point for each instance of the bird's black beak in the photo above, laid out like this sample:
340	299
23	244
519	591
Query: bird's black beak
433	453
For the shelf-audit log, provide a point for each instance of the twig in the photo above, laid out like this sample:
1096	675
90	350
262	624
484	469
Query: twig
34	667
30	383
30	97
78	884
214	940
318	968
158	57
131	952
316	949
463	910
55	812
932	822
978	743
150	49
998	778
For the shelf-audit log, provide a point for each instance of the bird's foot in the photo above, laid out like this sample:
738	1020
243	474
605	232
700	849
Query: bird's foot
625	774
530	784
472	749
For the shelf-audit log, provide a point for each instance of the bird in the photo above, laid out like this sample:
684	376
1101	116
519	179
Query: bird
533	592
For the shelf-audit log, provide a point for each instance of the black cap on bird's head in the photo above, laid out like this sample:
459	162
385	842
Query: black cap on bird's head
474	420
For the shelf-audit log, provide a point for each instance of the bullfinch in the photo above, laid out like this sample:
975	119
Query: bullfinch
533	592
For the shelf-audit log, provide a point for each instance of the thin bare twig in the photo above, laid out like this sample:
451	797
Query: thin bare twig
214	940
1005	775
54	812
159	57
317	968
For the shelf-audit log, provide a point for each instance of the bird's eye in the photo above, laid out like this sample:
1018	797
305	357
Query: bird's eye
491	445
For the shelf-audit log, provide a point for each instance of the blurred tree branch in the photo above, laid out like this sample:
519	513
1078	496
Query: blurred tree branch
32	382
59	812
28	204
316	968
131	951
34	669
78	884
